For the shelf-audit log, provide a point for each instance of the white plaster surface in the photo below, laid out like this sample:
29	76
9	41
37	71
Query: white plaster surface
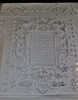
39	51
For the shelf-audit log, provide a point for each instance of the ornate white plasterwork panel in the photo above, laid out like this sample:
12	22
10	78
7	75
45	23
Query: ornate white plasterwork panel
40	52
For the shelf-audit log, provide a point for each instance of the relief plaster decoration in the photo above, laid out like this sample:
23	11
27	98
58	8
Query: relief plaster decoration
40	52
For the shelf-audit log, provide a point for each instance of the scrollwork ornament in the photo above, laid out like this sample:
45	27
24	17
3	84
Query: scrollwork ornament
43	78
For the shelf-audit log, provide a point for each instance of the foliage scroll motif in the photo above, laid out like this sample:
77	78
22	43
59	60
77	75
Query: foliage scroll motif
39	78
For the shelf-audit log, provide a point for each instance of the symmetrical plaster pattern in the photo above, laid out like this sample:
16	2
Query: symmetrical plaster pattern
27	28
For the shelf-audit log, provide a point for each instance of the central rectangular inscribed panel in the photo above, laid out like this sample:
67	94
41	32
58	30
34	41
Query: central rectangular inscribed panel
42	48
